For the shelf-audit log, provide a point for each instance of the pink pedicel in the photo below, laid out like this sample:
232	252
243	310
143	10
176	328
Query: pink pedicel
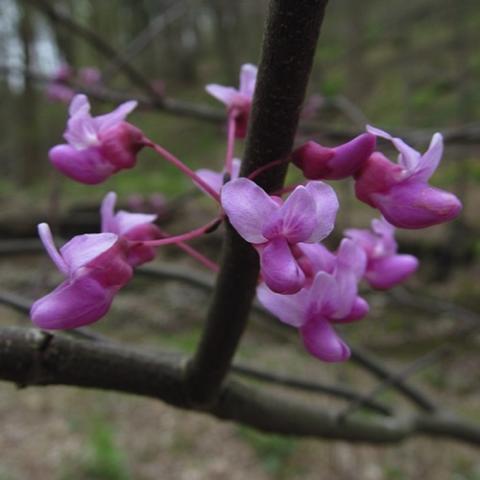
385	267
95	267
324	163
274	227
135	228
238	101
99	146
332	297
400	190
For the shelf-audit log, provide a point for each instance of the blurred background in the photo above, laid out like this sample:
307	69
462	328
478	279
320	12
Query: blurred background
412	68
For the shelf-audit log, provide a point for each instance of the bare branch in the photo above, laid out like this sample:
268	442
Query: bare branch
33	357
337	391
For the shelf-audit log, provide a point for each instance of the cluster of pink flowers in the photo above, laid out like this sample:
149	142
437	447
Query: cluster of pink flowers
60	86
301	282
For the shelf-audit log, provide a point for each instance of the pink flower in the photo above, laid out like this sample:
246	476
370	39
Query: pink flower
96	268
331	298
97	146
275	227
385	268
215	179
90	76
133	227
401	191
318	162
57	89
238	102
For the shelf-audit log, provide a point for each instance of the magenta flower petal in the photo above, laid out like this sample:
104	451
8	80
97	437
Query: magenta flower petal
225	94
109	120
127	222
315	258
359	310
323	299
280	270
72	304
384	273
86	166
247	207
47	239
82	249
319	162
295	219
414	205
430	159
248	78
351	258
215	179
322	342
326	203
408	158
290	309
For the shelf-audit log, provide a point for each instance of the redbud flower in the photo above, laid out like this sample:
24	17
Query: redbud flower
134	227
331	298
318	162
385	268
238	102
215	179
401	190
90	76
97	146
274	227
56	89
96	268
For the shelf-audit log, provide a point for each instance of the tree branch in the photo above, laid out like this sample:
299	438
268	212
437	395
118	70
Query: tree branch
288	47
33	357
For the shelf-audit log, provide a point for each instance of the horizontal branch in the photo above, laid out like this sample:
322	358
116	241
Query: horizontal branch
457	135
32	357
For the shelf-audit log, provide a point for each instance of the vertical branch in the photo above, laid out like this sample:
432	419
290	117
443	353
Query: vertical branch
287	54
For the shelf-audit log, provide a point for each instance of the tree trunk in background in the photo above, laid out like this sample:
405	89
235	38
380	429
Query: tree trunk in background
29	163
223	23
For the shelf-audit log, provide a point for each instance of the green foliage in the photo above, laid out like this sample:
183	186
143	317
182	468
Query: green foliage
103	460
274	451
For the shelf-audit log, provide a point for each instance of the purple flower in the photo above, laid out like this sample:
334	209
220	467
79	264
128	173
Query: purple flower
95	268
133	227
385	268
401	191
238	102
318	162
90	76
57	89
97	146
275	227
331	298
215	179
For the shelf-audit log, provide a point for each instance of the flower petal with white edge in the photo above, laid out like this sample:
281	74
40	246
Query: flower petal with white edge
327	205
295	220
126	221
47	239
109	120
82	249
289	309
247	207
248	78
430	159
408	157
225	94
